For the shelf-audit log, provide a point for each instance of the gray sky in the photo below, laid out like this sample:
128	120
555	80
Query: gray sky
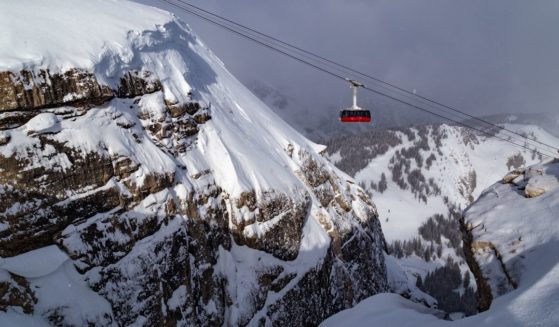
480	56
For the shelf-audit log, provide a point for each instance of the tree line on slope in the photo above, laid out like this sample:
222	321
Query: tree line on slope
357	151
452	290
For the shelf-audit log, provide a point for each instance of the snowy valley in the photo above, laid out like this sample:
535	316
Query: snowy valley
421	179
514	233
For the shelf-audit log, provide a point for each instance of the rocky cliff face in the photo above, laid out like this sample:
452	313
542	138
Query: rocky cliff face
29	90
138	259
138	180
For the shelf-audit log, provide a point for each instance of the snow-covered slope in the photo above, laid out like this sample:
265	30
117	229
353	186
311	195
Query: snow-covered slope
142	184
421	179
515	241
514	231
432	162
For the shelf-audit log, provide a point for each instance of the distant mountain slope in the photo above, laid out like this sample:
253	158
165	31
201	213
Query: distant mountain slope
423	165
515	238
421	179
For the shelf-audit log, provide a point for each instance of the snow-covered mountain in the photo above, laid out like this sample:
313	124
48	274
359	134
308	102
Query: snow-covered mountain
514	237
421	179
142	184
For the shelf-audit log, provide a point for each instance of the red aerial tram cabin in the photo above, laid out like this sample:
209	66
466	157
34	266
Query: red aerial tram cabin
355	114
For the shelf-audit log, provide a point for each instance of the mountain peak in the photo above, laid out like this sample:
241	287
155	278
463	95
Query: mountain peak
171	193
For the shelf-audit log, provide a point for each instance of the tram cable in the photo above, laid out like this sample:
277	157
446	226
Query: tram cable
275	44
354	71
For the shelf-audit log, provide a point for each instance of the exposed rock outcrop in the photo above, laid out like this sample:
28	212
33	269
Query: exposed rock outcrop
16	293
483	295
135	83
28	90
28	93
273	224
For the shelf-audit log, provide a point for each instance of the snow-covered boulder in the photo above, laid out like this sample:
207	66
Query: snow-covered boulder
538	185
513	176
43	123
535	180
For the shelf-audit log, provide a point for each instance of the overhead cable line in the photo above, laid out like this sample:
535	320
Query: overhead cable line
266	44
368	76
257	41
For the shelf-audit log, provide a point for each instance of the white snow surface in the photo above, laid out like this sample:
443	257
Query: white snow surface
13	318
502	216
43	123
57	286
36	263
244	144
380	310
401	213
62	34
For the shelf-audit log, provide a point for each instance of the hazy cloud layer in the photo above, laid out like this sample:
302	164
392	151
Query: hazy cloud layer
481	56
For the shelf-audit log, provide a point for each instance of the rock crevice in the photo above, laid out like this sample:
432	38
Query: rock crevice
484	294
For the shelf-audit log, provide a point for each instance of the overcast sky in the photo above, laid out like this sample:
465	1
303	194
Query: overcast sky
481	56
